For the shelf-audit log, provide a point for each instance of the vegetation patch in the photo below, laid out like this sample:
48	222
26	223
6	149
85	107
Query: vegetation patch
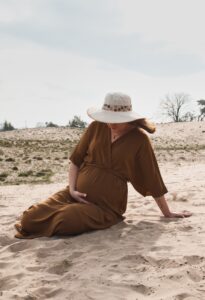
3	176
10	159
5	143
38	158
26	173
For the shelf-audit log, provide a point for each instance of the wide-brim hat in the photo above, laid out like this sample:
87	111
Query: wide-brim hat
117	108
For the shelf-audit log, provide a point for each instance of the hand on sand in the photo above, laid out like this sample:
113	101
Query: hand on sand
183	214
80	197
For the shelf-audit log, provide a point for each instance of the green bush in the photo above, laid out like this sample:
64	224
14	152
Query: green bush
7	126
76	122
51	124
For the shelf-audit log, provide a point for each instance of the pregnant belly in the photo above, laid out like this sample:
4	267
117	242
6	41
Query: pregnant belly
102	187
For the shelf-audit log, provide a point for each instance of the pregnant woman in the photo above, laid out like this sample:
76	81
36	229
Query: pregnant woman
114	150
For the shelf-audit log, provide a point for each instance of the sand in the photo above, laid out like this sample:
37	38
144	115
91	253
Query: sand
145	257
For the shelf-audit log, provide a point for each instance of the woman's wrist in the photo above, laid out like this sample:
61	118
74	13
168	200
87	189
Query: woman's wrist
161	202
71	189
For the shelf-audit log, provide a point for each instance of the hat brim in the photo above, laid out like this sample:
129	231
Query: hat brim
106	116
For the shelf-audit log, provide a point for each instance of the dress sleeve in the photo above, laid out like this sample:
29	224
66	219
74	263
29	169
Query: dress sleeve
78	154
146	177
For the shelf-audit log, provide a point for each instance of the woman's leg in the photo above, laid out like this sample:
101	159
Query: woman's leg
35	219
79	217
60	214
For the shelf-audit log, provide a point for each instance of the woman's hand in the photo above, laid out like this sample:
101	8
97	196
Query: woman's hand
161	202
80	197
183	214
73	174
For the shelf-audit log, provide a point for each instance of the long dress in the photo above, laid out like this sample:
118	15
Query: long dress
105	168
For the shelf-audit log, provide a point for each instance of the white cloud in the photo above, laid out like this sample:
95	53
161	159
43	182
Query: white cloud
58	58
14	10
179	23
40	84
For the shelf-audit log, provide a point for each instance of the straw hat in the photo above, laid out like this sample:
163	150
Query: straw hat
117	108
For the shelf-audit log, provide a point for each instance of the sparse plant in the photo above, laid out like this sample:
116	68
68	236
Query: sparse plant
10	159
15	168
3	176
77	122
26	173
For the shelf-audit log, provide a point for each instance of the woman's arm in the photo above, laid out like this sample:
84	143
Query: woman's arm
72	177
161	202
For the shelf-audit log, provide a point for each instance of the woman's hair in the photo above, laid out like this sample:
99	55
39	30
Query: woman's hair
144	124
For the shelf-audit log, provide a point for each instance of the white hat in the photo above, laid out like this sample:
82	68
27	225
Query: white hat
117	108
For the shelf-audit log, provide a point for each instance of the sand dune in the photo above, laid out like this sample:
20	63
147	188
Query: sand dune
145	257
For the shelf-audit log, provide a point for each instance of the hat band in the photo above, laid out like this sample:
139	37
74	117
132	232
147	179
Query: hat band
117	107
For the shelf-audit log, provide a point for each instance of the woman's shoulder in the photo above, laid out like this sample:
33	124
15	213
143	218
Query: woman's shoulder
140	134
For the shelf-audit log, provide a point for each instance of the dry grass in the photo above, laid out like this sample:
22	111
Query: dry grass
41	155
36	156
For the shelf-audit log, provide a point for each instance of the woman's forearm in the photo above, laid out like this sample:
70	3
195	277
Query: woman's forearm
161	202
72	176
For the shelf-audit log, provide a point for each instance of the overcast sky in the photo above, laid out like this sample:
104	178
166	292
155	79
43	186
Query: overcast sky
59	57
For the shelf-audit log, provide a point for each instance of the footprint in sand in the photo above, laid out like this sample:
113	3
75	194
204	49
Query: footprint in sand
19	246
9	282
180	276
125	232
5	240
44	293
185	228
195	275
194	259
158	248
60	268
182	296
77	254
137	259
143	289
4	264
49	251
34	268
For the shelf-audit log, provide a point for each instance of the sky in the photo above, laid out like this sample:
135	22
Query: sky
60	57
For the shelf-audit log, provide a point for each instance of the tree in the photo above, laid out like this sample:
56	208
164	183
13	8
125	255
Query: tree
7	126
51	124
188	117
173	106
201	104
77	122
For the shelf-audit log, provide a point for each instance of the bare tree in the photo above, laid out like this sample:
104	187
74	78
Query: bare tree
173	106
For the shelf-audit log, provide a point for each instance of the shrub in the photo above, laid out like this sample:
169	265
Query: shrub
51	124
3	176
10	159
7	126
76	122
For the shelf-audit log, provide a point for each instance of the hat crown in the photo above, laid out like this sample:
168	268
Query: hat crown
117	99
117	102
117	108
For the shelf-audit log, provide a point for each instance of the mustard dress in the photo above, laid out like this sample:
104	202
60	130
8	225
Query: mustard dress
105	169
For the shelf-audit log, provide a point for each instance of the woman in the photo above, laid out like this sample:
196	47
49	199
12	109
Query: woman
114	150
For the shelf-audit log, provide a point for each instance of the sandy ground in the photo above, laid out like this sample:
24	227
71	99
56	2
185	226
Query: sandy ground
145	257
